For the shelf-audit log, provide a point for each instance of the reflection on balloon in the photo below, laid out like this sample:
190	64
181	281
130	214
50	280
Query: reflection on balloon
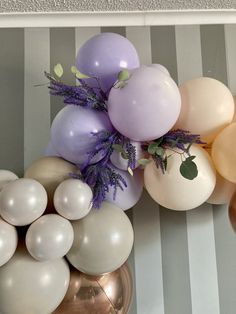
104	56
22	201
108	294
232	211
103	240
131	194
173	191
50	172
8	241
6	176
207	107
27	286
73	129
73	199
147	107
50	237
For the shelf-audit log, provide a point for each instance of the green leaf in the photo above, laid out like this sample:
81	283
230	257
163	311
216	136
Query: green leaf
144	161
190	158
160	151
123	75
130	171
119	148
152	148
165	162
58	70
124	155
78	74
188	169
159	140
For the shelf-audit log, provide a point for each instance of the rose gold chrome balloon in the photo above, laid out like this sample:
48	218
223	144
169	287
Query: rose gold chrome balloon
107	294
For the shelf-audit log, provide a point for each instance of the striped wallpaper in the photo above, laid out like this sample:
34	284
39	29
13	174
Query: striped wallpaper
184	263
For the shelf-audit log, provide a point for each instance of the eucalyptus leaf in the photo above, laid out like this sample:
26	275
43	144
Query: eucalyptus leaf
123	75
78	74
144	161
58	70
119	148
188	169
124	155
152	148
160	151
159	140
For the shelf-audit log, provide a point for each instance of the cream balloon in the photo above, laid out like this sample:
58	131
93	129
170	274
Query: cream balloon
172	190
234	118
207	107
103	240
6	176
50	237
224	154
8	241
73	199
50	172
22	201
27	286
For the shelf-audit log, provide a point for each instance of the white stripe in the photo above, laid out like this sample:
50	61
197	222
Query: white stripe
147	246
37	99
230	45
200	227
82	34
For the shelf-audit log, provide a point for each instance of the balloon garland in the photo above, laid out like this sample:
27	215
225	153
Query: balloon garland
124	125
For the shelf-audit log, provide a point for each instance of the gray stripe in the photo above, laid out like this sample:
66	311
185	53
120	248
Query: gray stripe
175	263
174	242
118	30
12	100
213	52
133	307
62	50
226	259
164	48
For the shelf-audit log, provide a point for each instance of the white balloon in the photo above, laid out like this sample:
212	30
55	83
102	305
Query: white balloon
73	199
29	286
8	241
50	237
119	162
172	190
22	201
6	176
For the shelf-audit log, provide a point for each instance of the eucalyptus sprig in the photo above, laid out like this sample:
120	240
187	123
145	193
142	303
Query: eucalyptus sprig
178	142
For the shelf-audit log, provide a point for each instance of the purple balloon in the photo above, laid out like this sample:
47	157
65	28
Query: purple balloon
71	132
147	107
50	150
104	56
131	194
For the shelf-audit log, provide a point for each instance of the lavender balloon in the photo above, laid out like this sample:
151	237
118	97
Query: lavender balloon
50	150
131	194
71	132
103	56
147	107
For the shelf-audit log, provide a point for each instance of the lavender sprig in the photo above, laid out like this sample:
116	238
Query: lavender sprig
81	95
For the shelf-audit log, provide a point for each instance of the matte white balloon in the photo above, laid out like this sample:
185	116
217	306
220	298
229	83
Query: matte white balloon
8	241
50	237
28	286
22	201
119	162
73	199
6	176
103	240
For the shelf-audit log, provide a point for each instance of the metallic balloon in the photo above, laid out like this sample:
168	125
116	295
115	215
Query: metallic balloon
22	201
6	176
8	241
108	294
50	237
232	211
29	286
73	199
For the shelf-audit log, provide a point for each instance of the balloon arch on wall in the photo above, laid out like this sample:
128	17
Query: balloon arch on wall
124	126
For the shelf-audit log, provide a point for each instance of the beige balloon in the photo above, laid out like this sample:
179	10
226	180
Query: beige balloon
50	172
103	240
224	154
172	190
6	176
234	118
207	107
29	286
